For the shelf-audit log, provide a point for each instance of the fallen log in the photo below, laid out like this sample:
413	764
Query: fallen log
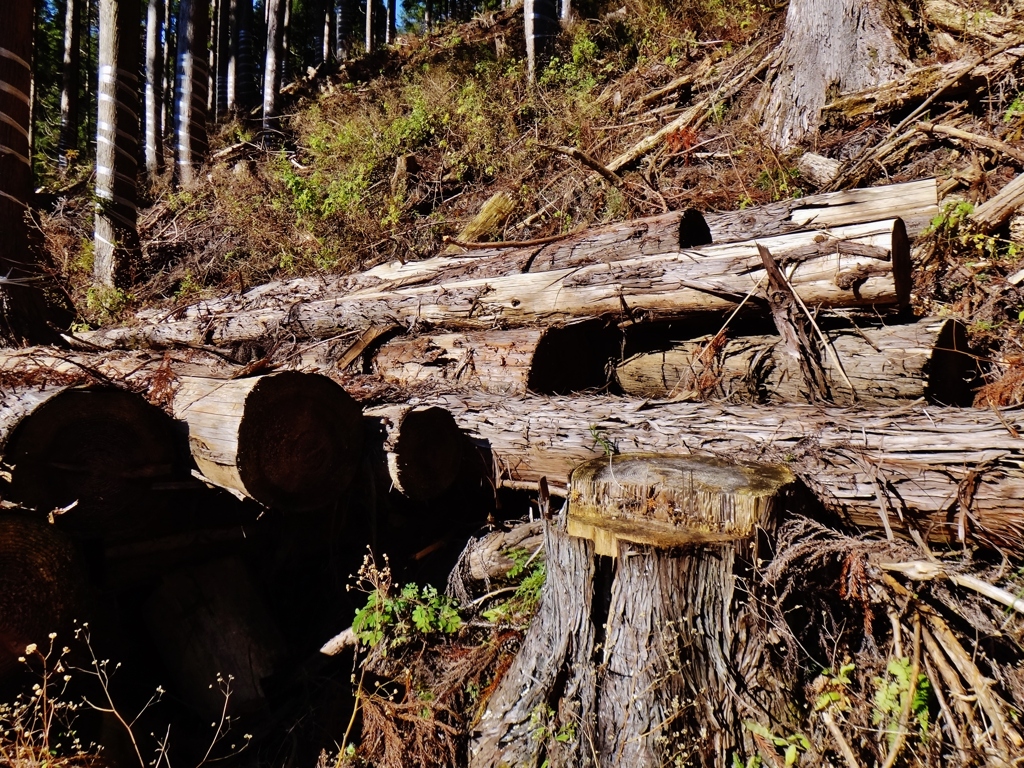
210	626
421	449
90	456
929	358
996	211
287	440
620	689
859	265
41	586
555	360
952	474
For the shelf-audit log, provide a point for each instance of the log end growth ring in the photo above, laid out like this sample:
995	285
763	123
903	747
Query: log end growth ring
670	501
299	441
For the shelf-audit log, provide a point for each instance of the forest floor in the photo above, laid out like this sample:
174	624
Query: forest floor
385	157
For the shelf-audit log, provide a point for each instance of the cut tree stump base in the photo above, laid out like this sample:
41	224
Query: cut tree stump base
653	656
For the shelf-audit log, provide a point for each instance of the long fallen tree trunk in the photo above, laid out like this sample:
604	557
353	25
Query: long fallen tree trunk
861	265
928	358
952	474
93	453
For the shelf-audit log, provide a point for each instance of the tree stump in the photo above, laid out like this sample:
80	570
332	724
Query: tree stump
645	648
288	440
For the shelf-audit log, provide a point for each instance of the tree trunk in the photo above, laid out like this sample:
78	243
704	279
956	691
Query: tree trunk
392	21
209	622
98	451
41	580
422	449
21	307
829	47
853	266
346	34
223	56
541	23
241	91
154	90
929	358
553	360
69	88
288	440
950	473
330	44
370	32
117	145
588	689
272	67
193	82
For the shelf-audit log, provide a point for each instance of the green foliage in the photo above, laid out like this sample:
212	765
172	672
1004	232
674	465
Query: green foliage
602	440
833	689
391	620
891	694
1015	110
531	573
580	70
107	303
791	745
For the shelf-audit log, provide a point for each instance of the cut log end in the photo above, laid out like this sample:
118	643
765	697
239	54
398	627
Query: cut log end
423	449
40	578
101	448
670	501
299	441
901	267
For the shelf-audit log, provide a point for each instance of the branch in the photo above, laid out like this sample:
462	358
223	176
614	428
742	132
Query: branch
576	154
974	138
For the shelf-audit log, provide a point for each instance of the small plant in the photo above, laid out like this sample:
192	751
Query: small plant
791	745
891	695
831	688
531	573
390	620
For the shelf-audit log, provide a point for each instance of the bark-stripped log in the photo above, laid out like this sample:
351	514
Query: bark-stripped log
860	265
41	592
209	622
422	449
677	624
288	440
949	472
100	450
929	358
556	360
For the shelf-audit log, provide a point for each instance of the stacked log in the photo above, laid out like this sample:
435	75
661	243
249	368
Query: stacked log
90	456
948	473
929	358
288	440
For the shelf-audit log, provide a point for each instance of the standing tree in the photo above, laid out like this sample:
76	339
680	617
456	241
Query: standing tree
192	85
272	67
222	41
154	89
829	47
240	75
117	143
370	14
541	22
329	26
69	89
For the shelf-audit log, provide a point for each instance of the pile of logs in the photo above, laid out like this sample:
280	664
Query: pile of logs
779	334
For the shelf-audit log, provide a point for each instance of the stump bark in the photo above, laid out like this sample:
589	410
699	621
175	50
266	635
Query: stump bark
652	657
98	449
288	440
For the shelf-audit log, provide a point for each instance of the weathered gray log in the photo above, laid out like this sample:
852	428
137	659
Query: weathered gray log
859	265
951	473
554	360
208	622
929	358
996	211
288	440
676	665
40	586
95	451
422	449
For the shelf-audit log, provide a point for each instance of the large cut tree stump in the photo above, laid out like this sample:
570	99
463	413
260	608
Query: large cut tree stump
288	440
655	657
40	586
100	450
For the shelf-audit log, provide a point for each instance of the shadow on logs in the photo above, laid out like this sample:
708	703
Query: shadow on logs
288	440
651	654
41	586
102	448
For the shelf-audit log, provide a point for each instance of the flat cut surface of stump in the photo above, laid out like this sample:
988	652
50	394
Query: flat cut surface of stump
669	501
